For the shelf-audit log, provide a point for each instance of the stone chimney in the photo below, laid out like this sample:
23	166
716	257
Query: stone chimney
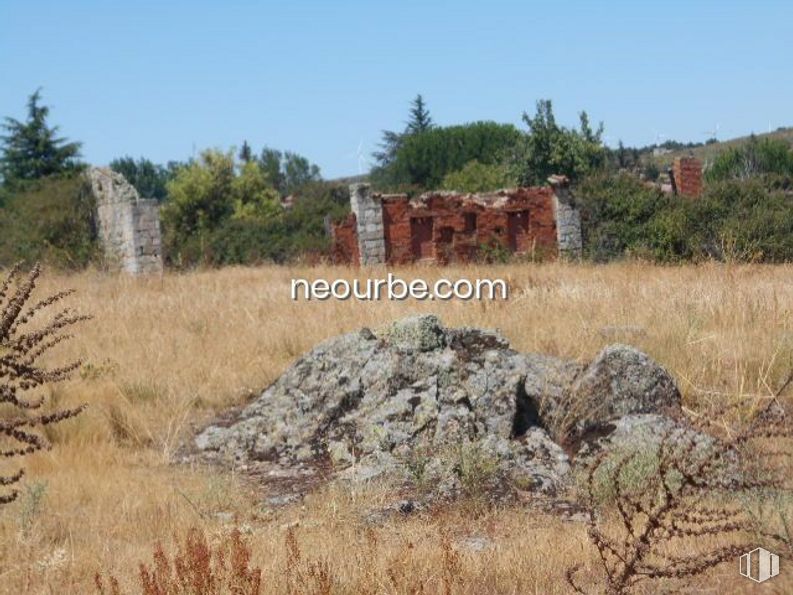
687	173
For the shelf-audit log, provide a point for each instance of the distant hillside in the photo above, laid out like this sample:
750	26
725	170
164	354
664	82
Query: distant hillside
707	152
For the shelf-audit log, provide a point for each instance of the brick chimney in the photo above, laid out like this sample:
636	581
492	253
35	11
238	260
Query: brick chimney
687	172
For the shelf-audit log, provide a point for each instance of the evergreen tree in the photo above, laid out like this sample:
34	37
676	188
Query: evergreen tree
389	147
32	150
622	155
420	119
246	155
148	178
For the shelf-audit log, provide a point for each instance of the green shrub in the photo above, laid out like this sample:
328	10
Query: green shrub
51	220
751	159
293	232
732	221
478	177
548	148
616	212
425	158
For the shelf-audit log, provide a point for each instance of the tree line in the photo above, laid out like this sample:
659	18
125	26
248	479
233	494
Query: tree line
243	206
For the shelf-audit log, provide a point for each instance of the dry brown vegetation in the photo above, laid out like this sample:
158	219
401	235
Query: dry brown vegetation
163	355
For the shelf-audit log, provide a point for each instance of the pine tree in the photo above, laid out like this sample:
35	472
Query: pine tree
420	119
246	154
32	149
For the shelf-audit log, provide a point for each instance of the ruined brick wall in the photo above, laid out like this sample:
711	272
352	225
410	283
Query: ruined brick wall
128	225
687	173
446	227
344	241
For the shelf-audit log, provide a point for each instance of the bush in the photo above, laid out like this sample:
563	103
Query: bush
51	220
425	158
731	221
295	231
751	159
616	212
478	177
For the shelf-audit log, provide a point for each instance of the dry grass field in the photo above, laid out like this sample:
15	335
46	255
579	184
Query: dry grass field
163	355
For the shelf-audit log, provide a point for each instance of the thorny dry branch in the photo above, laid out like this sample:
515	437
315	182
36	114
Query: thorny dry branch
22	346
698	490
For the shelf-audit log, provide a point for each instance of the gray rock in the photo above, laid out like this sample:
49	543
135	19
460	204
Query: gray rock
549	389
644	431
450	411
422	333
642	439
366	403
622	381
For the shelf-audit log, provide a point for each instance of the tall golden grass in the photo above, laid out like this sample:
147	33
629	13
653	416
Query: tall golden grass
163	355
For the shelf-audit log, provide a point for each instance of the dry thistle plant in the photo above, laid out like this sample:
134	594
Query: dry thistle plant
695	501
22	346
197	568
200	569
305	577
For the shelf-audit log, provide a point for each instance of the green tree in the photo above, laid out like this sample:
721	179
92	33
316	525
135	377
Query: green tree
298	172
32	149
253	196
288	172
246	154
549	148
208	193
149	179
478	177
215	188
423	160
420	119
298	232
270	162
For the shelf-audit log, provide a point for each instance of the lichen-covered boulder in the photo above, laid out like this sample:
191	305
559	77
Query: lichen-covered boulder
621	381
454	410
368	403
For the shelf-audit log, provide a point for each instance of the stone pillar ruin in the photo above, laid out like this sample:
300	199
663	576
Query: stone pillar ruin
369	221
568	219
128	225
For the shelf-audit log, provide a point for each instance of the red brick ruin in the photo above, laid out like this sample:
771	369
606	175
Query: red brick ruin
687	176
444	227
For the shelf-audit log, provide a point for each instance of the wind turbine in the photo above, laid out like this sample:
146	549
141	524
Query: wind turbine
359	153
659	136
713	133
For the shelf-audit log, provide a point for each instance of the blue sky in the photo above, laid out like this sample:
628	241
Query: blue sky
164	79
